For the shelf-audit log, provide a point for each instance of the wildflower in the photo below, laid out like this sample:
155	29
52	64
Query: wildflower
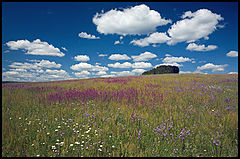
77	143
19	118
48	133
101	145
71	144
56	130
38	155
53	147
99	149
81	145
59	126
113	146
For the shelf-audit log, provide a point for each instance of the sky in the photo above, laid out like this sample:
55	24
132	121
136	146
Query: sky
47	41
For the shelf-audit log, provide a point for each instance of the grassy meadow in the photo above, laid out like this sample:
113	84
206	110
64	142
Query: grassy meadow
142	116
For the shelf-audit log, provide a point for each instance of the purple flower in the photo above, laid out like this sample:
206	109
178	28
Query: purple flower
133	118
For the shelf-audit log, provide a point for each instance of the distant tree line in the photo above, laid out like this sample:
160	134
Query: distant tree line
162	70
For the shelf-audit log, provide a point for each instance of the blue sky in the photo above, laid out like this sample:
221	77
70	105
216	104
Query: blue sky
43	41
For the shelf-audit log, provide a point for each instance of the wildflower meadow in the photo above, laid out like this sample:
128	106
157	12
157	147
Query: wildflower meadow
170	115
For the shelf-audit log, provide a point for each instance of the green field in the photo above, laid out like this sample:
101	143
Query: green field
152	115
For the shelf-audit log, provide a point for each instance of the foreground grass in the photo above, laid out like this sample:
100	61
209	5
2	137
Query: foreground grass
162	115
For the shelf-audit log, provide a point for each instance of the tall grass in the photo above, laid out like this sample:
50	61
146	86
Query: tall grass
152	115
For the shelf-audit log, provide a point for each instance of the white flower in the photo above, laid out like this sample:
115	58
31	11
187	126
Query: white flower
101	145
71	144
53	147
48	133
82	141
56	130
38	155
82	145
59	126
57	140
99	149
19	118
77	143
113	146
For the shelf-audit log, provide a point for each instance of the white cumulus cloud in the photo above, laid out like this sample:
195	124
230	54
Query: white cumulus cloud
141	65
102	55
88	67
101	73
117	57
56	72
194	26
37	47
169	64
82	58
119	65
144	56
138	71
232	54
82	73
195	47
154	38
171	59
212	67
64	48
130	21
87	36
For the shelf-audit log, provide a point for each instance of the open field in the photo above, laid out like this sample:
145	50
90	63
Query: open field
152	115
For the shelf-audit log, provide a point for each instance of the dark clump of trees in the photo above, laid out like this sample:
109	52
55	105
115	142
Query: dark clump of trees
162	70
